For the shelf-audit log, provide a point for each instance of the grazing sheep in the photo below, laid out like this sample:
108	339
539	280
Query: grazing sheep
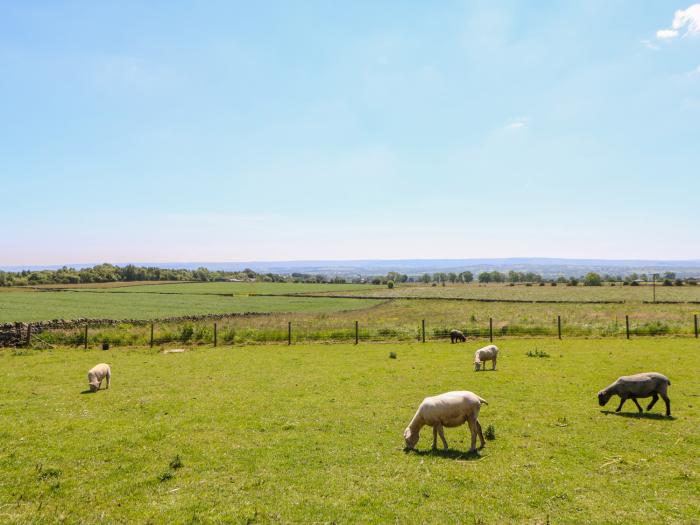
487	353
456	335
451	409
648	384
96	374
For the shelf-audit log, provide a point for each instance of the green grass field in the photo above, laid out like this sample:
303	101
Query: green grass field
35	306
332	319
535	293
313	433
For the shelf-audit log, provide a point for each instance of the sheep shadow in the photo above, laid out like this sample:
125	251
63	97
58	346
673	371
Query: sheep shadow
88	391
639	415
446	454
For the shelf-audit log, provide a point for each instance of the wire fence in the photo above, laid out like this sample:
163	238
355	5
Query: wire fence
275	330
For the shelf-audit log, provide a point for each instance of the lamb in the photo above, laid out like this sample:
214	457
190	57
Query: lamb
647	384
487	353
450	409
96	374
456	335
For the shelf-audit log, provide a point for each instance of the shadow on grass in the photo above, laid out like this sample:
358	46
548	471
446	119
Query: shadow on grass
447	454
638	415
88	392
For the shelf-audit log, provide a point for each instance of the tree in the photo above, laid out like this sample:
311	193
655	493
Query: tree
485	277
466	277
592	279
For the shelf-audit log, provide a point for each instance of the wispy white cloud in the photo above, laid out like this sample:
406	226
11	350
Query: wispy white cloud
666	34
695	72
650	45
684	19
517	123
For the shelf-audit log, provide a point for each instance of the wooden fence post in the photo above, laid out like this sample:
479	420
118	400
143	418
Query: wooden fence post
424	330
289	333
86	335
491	329
357	332
151	335
627	325
29	334
214	334
696	326
559	325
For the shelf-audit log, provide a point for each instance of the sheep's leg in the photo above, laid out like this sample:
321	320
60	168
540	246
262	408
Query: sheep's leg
442	436
654	399
109	376
668	404
494	363
637	403
481	434
435	430
622	402
472	429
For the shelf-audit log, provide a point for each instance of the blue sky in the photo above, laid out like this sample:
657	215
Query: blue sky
223	131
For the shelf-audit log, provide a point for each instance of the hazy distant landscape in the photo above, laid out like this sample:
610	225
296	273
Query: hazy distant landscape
363	268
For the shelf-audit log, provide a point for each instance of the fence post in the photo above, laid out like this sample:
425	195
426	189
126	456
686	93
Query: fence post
357	331
214	334
86	335
29	334
289	333
491	329
696	326
151	335
559	325
627	325
424	330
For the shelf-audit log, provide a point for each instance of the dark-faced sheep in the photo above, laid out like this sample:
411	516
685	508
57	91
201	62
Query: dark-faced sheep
450	409
456	335
648	384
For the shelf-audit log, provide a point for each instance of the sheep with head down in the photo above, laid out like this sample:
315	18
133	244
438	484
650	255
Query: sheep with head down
487	353
647	384
450	409
96	374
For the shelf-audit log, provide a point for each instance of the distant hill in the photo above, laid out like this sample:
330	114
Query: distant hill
547	267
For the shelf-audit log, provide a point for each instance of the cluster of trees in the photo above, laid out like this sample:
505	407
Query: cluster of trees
105	273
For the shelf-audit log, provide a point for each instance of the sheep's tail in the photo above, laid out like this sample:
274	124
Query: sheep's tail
483	401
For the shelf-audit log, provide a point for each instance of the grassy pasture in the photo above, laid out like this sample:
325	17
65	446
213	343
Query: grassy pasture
314	433
36	306
538	293
239	288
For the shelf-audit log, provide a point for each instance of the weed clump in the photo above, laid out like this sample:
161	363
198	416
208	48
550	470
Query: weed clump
165	476
490	433
176	463
537	353
392	355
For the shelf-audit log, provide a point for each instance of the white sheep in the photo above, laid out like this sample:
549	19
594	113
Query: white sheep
647	384
450	409
96	374
487	353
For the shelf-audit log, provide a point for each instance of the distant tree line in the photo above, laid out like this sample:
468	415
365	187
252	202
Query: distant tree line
105	273
530	278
